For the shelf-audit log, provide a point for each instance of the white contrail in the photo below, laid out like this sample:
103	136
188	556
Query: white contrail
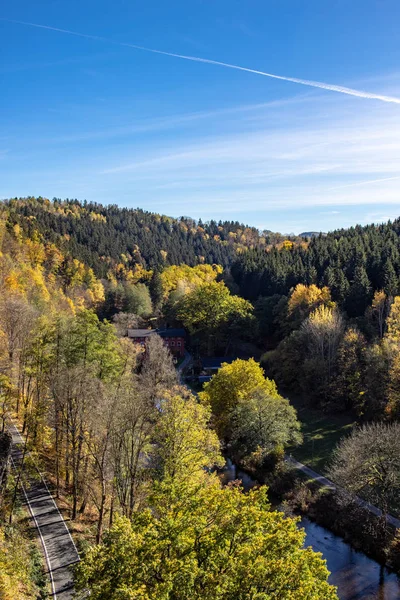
361	183
315	84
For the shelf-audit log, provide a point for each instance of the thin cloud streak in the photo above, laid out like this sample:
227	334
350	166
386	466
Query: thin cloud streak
309	165
306	82
361	183
351	149
239	201
170	122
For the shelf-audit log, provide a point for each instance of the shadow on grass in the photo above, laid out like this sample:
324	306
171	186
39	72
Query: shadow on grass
321	434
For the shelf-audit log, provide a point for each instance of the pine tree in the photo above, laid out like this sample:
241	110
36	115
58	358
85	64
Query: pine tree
391	282
359	296
156	289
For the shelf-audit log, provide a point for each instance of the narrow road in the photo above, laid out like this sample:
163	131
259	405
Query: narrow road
323	481
58	546
184	364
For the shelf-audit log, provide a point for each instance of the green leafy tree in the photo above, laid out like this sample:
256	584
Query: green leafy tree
197	539
234	383
270	313
391	281
285	362
211	312
262	424
393	387
156	290
87	354
216	545
16	576
379	360
137	300
184	444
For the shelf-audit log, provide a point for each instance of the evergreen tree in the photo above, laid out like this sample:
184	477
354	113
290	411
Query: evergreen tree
391	282
156	289
360	293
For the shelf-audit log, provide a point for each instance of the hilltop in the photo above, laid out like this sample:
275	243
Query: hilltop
104	237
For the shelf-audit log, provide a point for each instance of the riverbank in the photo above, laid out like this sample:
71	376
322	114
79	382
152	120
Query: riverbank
344	516
298	495
356	576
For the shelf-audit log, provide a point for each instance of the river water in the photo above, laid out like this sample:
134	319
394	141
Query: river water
356	576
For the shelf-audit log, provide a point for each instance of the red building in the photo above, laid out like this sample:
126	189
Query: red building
174	339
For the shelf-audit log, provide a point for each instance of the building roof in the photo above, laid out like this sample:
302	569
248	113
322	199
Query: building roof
164	333
171	332
140	333
215	362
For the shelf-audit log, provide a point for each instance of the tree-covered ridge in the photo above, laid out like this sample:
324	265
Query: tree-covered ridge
104	237
353	263
123	244
33	269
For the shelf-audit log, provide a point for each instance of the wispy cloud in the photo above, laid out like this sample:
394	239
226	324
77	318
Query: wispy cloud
307	82
308	154
361	183
174	121
352	148
295	155
379	217
324	157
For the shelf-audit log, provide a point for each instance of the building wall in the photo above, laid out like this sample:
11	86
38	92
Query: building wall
176	345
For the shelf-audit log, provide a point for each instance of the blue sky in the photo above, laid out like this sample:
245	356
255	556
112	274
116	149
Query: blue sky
85	118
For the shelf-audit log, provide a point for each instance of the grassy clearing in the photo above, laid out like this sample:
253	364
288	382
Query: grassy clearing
321	434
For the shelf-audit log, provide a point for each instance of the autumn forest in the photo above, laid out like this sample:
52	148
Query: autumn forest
133	441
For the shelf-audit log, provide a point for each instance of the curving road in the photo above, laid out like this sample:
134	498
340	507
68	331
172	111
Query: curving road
58	546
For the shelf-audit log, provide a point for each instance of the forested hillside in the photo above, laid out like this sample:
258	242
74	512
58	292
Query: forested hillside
353	263
129	244
110	422
127	450
105	236
33	268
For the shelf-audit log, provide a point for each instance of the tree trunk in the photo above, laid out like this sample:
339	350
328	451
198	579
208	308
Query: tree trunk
101	511
112	505
67	458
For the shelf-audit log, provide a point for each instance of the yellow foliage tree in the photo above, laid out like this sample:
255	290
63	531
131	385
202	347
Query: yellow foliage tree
196	539
391	342
139	273
393	321
379	311
187	278
304	300
287	245
15	580
234	383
